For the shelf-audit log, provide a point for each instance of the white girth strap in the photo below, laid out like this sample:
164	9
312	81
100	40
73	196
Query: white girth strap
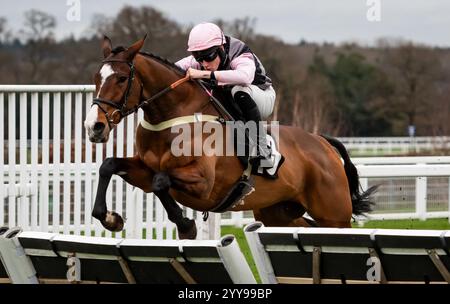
178	121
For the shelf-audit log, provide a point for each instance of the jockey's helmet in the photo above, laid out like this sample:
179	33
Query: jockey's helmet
204	36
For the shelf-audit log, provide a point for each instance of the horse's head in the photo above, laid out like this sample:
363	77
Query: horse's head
117	90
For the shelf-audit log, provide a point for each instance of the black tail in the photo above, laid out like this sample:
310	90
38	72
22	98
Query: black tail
361	202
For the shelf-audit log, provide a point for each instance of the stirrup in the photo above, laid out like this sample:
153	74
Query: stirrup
258	160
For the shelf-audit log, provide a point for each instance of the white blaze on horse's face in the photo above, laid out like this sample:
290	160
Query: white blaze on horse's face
105	72
92	116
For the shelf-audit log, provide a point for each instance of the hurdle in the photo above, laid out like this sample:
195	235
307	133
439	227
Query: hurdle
61	259
4	277
292	255
15	266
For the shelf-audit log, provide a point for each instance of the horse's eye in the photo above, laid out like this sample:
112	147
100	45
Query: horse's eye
122	79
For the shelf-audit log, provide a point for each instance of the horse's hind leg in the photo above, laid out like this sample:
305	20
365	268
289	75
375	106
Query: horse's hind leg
330	204
331	208
186	227
283	214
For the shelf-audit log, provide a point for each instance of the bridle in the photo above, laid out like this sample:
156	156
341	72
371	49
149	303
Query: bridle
120	108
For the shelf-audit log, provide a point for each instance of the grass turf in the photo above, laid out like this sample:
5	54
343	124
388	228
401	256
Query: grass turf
433	224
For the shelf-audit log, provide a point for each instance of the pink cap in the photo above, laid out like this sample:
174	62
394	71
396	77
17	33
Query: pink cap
205	35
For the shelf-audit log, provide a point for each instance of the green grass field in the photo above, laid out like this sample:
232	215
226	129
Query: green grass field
434	224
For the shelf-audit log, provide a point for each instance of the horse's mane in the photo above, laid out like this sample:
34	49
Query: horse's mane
164	61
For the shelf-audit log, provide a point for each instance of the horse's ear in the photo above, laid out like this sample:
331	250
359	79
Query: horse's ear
135	48
106	46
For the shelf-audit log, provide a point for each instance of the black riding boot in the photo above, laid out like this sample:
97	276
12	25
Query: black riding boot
258	140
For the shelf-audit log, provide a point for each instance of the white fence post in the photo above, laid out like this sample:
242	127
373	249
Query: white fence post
159	218
34	200
98	160
22	211
2	161
139	213
237	218
88	197
77	147
12	160
149	215
119	181
43	197
67	160
130	224
364	182
129	208
421	198
448	200
209	230
109	193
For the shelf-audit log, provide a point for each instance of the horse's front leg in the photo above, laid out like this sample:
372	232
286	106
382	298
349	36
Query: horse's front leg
136	173
131	170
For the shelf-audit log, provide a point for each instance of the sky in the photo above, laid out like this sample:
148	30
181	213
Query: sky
337	21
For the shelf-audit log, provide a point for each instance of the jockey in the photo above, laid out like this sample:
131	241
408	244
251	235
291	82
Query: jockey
228	61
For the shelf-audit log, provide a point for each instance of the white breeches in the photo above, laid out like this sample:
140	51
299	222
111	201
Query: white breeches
264	99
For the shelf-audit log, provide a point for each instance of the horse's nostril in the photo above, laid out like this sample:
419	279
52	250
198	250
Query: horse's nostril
99	127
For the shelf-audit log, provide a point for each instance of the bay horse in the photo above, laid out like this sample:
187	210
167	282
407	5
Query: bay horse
313	178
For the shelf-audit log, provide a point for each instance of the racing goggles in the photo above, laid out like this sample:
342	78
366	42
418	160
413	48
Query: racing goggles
206	55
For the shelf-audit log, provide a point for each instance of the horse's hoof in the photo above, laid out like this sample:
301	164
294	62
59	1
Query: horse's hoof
190	234
113	222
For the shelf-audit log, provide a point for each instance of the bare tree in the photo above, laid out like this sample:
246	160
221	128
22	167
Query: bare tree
6	35
164	36
38	26
440	107
414	70
39	35
314	104
11	67
100	25
8	59
2	29
240	28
